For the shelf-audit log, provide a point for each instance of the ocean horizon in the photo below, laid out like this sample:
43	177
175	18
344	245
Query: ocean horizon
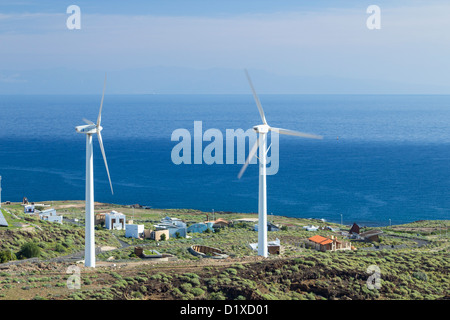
383	157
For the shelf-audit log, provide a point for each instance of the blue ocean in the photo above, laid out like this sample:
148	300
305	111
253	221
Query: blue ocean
382	157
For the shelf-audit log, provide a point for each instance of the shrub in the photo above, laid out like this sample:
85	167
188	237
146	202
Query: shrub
231	271
186	287
30	250
195	281
6	256
60	248
137	295
217	296
309	263
197	292
419	275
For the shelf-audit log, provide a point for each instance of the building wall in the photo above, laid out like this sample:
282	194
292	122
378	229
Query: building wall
119	219
156	235
134	230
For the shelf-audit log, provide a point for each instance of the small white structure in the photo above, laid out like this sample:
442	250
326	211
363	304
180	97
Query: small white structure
134	230
275	243
50	215
115	221
311	228
173	221
29	208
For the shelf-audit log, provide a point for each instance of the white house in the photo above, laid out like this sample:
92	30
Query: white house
134	230
29	208
50	215
115	220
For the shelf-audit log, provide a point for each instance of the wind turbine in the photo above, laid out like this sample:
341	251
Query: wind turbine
89	129
261	143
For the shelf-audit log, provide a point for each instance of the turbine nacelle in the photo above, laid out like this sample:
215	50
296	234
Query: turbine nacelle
89	129
262	128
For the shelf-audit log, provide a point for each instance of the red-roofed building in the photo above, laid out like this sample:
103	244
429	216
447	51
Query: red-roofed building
324	244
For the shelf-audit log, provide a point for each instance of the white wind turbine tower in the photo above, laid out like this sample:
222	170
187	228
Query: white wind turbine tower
261	142
90	129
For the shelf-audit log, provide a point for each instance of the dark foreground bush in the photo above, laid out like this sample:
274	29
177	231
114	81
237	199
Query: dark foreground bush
30	250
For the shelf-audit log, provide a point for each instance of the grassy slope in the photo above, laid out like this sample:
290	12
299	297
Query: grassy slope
409	273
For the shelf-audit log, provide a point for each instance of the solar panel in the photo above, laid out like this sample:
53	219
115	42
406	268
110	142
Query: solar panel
3	220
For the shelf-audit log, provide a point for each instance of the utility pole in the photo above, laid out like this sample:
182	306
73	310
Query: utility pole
341	220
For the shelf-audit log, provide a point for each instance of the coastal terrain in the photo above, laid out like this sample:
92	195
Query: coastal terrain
408	261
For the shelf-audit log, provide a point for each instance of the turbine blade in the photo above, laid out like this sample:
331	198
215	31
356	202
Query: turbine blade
295	133
99	119
249	158
255	96
100	140
88	121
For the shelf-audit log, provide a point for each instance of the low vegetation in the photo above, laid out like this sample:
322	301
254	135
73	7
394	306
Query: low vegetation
407	270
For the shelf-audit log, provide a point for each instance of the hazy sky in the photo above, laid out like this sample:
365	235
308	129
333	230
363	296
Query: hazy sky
203	47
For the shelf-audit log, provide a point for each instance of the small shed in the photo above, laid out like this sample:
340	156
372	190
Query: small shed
354	229
138	251
134	230
273	249
115	220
